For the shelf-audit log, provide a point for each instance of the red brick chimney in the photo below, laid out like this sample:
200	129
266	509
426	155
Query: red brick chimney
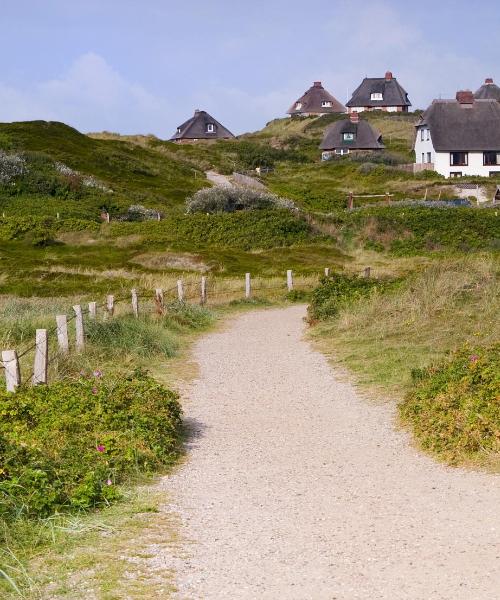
354	116
488	80
465	97
388	76
317	84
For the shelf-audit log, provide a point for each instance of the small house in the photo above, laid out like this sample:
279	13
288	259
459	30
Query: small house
201	126
379	93
460	137
316	102
488	91
351	135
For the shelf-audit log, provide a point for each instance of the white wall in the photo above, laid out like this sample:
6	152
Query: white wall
424	147
475	166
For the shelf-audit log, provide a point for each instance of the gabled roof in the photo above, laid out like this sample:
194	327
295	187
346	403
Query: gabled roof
311	102
488	91
366	137
393	93
456	126
196	128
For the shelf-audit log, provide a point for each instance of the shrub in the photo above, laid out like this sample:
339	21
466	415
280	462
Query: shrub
338	290
231	199
454	409
69	444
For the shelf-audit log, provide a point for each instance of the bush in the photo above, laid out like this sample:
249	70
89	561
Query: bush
231	199
454	409
338	290
69	444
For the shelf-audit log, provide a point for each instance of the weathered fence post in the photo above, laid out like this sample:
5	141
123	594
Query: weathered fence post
80	332
289	280
180	290
368	271
12	370
159	301
110	304
203	298
248	285
41	357
135	303
158	216
350	201
107	217
93	310
62	333
327	271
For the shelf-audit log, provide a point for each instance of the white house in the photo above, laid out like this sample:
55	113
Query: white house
460	137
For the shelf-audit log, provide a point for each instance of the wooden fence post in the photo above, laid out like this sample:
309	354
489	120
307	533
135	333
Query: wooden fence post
180	290
93	310
350	201
12	371
110	304
135	303
159	301
289	280
248	285
327	271
62	333
80	332
107	216
368	271
41	357
203	298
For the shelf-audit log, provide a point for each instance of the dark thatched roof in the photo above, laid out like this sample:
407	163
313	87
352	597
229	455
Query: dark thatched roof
393	94
463	127
197	128
312	101
365	136
488	91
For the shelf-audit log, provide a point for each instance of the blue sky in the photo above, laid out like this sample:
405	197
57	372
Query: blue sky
144	66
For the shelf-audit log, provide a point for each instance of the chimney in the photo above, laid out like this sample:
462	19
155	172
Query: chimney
354	116
465	98
318	84
388	76
197	110
488	81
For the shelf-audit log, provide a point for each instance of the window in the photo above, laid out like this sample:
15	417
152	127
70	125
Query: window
459	159
422	134
428	132
429	157
491	158
298	105
210	128
456	174
423	157
326	104
178	129
349	137
495	174
342	151
377	96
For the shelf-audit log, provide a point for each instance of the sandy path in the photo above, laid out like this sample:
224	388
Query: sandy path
297	488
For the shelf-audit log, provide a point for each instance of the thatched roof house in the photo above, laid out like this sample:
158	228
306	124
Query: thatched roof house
316	102
201	126
379	93
350	135
488	91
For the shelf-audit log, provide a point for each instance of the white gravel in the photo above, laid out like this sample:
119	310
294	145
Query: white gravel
297	488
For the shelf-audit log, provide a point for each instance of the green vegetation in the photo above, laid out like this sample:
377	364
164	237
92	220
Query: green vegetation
454	408
232	199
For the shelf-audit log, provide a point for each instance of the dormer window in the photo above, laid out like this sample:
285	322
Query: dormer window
349	137
298	105
377	96
210	128
326	104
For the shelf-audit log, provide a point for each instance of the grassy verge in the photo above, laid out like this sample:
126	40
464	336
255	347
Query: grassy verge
383	336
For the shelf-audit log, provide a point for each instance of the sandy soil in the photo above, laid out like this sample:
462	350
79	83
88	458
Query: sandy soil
297	488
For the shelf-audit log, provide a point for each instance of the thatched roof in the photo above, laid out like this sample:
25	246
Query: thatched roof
393	94
488	91
365	136
201	126
312	102
471	126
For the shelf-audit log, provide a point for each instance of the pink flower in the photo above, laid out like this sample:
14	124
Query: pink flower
100	448
474	358
94	390
109	482
97	374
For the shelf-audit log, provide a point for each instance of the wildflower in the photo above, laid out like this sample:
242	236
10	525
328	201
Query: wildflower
97	374
474	358
100	448
94	390
109	482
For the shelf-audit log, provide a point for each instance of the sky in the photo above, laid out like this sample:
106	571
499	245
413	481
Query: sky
145	66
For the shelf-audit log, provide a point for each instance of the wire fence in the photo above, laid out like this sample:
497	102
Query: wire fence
203	292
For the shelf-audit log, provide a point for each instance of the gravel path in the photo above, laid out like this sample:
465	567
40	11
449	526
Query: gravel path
297	488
